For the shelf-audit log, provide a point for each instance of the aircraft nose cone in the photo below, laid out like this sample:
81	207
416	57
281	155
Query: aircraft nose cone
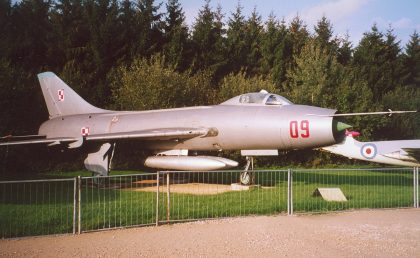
340	126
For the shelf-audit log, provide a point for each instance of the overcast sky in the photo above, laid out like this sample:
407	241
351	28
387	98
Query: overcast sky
352	16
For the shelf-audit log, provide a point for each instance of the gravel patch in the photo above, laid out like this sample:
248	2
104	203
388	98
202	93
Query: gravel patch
365	233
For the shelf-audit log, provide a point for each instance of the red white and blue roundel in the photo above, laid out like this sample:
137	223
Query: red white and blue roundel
368	151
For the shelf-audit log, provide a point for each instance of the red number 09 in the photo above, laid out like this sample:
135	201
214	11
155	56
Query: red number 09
303	129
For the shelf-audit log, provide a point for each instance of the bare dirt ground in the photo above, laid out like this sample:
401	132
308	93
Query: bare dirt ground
197	188
366	233
191	188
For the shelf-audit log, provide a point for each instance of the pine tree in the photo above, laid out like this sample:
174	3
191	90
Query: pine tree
376	60
253	35
316	76
5	28
72	51
407	95
270	40
175	16
411	62
393	64
207	39
324	35
128	31
275	50
298	34
103	46
31	35
149	23
345	50
203	37
176	36
220	54
236	40
297	37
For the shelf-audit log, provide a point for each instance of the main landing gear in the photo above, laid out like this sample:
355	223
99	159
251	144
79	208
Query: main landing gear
247	177
99	162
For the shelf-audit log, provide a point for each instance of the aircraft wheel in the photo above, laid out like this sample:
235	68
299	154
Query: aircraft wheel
245	178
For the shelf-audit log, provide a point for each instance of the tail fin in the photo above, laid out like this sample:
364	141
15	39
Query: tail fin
61	99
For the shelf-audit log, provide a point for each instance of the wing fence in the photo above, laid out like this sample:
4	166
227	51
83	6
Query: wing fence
41	207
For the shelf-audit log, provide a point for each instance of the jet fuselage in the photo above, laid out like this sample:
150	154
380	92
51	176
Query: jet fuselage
238	126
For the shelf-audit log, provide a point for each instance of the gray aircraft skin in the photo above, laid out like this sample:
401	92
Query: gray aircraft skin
400	152
253	122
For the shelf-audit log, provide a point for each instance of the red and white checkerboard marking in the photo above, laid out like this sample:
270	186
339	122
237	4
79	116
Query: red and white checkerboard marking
61	95
84	131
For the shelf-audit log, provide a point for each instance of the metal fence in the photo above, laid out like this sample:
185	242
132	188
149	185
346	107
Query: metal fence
367	188
117	201
186	196
37	207
40	207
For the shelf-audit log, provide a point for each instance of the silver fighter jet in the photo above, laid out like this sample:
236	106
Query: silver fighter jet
255	123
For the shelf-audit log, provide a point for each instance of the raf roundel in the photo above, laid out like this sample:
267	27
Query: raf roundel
368	151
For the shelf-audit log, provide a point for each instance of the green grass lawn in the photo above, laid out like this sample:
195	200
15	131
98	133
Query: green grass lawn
47	208
36	208
363	189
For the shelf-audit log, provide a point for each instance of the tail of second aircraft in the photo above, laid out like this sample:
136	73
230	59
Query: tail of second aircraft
61	100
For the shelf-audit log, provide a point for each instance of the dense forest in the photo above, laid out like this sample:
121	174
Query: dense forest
139	55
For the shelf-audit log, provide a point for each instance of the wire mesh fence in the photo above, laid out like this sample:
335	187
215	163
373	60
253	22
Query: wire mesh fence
37	207
117	201
215	194
41	207
363	188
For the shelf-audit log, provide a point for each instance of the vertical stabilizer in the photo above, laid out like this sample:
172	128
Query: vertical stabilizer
61	100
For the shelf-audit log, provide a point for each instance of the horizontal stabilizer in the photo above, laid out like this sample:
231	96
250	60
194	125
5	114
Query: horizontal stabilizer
413	152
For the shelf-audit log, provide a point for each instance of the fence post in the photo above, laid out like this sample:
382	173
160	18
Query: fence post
74	204
416	187
289	192
157	198
168	194
417	176
79	197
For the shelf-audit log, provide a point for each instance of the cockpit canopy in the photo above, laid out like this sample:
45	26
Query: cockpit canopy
258	98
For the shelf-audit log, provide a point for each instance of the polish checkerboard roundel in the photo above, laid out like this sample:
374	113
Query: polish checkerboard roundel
60	95
368	151
84	131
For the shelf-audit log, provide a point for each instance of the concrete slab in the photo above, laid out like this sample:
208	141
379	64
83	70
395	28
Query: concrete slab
240	187
330	194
